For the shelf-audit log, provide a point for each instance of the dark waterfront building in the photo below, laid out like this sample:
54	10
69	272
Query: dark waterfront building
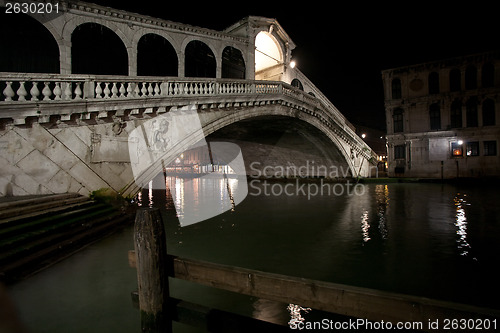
443	119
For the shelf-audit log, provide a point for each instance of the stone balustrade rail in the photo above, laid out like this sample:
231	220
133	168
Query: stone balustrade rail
29	92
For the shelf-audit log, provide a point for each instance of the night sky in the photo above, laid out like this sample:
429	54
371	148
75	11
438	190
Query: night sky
343	48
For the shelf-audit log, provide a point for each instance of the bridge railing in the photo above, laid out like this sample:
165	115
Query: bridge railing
33	87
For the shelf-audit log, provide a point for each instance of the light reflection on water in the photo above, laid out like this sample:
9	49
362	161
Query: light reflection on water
461	224
433	240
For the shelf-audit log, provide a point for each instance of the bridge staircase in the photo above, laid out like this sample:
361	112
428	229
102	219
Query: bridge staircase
38	231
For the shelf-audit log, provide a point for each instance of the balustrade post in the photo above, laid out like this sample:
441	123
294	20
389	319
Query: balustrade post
21	92
34	92
8	92
57	91
130	90
78	91
106	90
114	91
98	90
68	93
46	91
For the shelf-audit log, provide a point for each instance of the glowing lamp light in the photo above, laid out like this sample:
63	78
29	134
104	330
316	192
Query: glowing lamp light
363	135
460	142
292	64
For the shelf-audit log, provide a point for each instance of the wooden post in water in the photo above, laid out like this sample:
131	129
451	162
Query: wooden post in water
152	277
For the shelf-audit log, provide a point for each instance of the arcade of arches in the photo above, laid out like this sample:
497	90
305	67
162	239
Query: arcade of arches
96	49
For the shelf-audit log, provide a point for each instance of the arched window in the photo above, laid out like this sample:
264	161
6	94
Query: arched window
96	49
435	116
489	112
471	112
397	119
455	80
488	75
297	84
456	114
26	46
433	83
156	57
233	65
471	77
396	88
200	60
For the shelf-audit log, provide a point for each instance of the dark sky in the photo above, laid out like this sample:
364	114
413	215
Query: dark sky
343	48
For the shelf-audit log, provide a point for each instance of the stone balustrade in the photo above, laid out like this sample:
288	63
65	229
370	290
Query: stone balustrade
49	87
32	92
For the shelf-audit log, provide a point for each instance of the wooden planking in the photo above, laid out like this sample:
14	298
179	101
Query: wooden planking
336	298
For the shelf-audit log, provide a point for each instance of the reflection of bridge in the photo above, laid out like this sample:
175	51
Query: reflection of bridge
68	132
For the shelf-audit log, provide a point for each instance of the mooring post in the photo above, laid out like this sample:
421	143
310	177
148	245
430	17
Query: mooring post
152	276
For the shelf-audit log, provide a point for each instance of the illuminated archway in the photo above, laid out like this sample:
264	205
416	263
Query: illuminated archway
267	52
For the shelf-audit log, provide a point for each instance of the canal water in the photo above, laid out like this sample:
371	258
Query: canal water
434	240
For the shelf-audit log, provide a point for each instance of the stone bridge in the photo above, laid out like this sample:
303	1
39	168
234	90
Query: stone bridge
67	130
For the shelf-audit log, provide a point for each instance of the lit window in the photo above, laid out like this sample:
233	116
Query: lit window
472	148
457	149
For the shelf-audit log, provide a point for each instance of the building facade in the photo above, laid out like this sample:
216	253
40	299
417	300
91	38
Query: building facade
443	118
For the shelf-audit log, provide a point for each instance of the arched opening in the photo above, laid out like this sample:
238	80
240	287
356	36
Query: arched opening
233	65
26	46
268	55
297	84
156	57
200	60
96	49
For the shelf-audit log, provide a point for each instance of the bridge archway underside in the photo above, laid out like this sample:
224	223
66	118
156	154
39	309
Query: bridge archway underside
82	136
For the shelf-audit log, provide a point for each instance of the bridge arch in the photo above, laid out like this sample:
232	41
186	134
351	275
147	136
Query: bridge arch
156	56
199	60
211	125
28	45
96	49
233	63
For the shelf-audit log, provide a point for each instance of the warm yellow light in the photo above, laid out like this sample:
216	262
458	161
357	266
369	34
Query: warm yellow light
267	51
363	135
292	64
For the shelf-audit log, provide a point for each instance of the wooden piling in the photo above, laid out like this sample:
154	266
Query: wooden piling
152	276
